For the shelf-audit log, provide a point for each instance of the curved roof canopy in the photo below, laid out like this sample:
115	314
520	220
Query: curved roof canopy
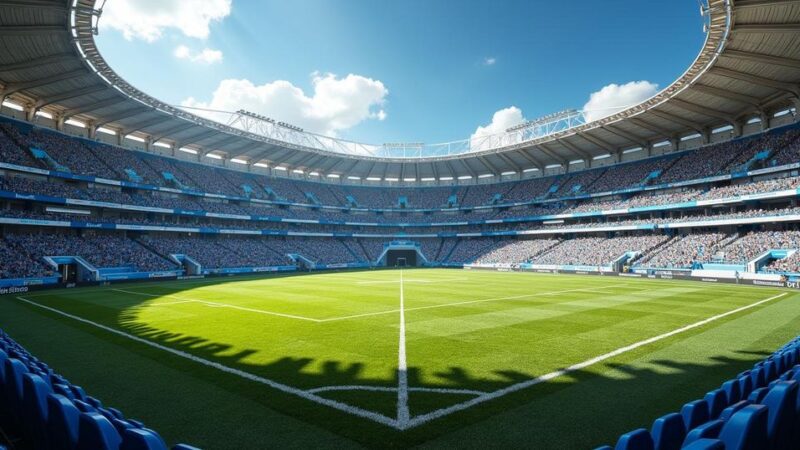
749	66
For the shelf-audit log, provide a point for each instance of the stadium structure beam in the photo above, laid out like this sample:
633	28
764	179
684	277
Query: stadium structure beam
713	113
166	133
35	30
574	149
489	165
789	88
68	95
510	162
767	28
197	137
532	159
227	140
676	119
451	172
638	140
664	133
37	62
142	124
743	4
33	4
132	112
598	142
542	148
12	88
469	170
93	106
727	95
763	59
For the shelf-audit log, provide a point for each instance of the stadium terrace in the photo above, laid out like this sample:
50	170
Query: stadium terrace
250	284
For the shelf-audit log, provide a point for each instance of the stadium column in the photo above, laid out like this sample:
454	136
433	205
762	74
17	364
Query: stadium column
796	104
59	120
91	130
738	128
706	135
765	120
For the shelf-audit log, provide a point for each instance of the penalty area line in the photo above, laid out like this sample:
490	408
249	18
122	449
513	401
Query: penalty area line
425	418
343	407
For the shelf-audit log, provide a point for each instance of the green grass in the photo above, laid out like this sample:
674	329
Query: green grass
465	331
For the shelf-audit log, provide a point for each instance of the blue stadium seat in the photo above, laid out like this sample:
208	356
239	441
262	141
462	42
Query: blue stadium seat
745	386
14	369
706	444
189	447
747	429
142	439
732	391
34	408
731	410
635	440
758	377
62	424
717	401
758	395
783	420
695	413
95	432
708	430
668	432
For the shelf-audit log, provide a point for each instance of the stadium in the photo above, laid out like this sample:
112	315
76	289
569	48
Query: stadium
175	276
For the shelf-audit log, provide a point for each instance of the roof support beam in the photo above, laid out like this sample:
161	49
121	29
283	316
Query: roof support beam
742	4
28	30
676	119
12	88
574	149
637	140
173	130
767	28
510	162
532	159
596	141
713	113
143	124
122	115
662	132
69	95
197	137
727	95
93	106
564	163
789	88
38	62
761	58
485	161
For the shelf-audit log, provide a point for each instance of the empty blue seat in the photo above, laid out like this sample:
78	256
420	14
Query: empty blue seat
745	386
14	369
781	401
771	369
62	423
189	447
757	395
731	410
717	401
708	430
732	391
747	429
635	440
758	377
95	432
142	439
34	408
695	413
668	432
706	444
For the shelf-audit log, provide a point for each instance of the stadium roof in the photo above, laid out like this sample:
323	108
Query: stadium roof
748	67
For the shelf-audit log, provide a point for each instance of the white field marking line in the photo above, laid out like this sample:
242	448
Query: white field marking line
221	305
424	418
403	414
413	280
496	299
393	389
349	409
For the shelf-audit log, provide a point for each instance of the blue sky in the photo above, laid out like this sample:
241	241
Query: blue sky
422	70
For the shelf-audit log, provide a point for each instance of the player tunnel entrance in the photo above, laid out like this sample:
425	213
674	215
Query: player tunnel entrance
401	258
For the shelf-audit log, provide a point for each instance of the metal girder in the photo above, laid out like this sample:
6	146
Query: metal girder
143	124
766	28
531	159
552	155
12	88
132	112
753	79
702	110
676	119
596	141
485	161
761	58
27	30
450	169
198	137
469	170
38	62
173	130
33	4
648	126
727	95
742	4
93	106
69	95
638	140
573	148
510	162
228	139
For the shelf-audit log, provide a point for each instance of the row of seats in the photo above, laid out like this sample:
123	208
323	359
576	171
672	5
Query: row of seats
757	410
40	409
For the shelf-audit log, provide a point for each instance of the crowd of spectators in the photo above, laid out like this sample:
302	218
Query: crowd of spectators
790	264
751	245
516	252
683	251
595	251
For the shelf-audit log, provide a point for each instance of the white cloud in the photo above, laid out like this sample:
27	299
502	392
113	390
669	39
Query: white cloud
205	56
489	61
493	134
336	103
147	19
614	98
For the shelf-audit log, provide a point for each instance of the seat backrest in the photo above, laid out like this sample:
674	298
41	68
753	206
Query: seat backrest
717	401
15	369
668	432
731	410
62	423
745	386
708	430
34	392
142	439
706	444
95	432
781	401
732	391
758	395
635	440
758	377
695	413
747	429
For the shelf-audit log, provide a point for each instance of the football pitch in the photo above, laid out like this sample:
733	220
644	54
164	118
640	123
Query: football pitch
389	358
